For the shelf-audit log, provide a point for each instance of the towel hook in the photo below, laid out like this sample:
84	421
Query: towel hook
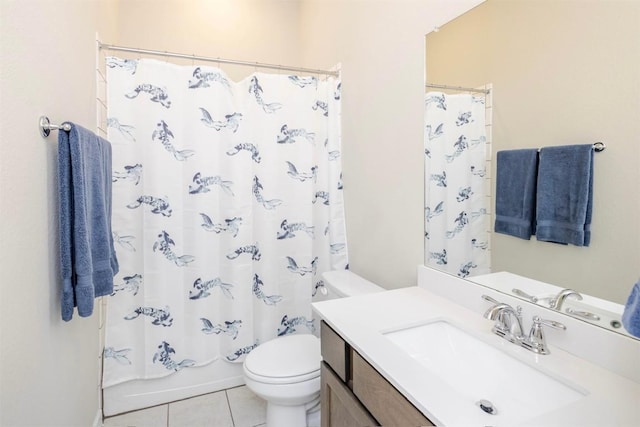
46	126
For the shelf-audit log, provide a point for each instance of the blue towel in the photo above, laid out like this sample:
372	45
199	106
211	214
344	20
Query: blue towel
516	192
631	313
565	194
87	256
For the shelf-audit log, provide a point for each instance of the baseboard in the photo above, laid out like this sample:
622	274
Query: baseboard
97	421
138	394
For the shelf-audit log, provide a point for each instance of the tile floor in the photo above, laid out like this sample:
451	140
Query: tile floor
235	407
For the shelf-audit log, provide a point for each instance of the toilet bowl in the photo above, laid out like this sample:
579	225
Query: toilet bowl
286	373
286	370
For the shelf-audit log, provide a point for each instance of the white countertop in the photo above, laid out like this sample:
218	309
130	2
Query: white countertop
611	400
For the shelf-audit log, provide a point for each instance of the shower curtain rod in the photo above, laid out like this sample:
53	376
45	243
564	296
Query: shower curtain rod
461	88
218	60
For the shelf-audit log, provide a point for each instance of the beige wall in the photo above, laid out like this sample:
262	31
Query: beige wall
563	72
48	368
265	31
381	47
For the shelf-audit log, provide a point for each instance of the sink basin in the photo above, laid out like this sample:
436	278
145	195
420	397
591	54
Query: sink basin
477	371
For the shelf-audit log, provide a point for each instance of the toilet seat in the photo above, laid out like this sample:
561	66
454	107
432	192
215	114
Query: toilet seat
286	360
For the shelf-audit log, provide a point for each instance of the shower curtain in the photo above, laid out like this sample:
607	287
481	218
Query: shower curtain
456	197
227	208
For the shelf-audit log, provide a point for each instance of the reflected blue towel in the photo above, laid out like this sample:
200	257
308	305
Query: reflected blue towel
87	256
631	313
565	194
516	192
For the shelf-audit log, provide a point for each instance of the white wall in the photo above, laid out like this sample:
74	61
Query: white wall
48	368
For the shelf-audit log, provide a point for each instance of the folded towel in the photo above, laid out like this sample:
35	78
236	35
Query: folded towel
565	194
516	192
631	313
87	256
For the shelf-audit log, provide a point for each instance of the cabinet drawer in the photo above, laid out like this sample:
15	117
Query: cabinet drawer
340	408
334	351
385	403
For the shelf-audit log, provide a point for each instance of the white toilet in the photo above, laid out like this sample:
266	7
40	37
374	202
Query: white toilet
286	371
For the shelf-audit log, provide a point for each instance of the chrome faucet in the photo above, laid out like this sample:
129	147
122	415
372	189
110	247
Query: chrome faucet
508	321
556	303
509	326
536	340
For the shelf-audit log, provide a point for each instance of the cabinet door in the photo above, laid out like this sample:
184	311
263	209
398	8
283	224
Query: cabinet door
334	351
381	398
340	408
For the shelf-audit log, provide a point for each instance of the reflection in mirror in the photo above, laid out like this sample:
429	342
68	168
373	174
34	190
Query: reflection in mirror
563	73
603	313
456	141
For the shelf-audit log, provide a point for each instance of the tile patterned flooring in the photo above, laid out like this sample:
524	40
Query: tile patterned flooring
234	407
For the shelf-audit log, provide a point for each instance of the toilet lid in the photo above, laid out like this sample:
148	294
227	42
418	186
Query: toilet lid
286	357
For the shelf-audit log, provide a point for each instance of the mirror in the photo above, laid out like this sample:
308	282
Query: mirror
562	73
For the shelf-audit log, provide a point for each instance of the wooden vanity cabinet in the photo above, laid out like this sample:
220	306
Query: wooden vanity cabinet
340	407
354	394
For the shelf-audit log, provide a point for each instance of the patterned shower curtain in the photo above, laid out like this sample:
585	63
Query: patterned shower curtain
227	208
456	216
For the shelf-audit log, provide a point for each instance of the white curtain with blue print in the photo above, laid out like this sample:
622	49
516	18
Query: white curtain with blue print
456	215
227	208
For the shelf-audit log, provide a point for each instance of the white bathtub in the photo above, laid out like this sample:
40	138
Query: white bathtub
138	394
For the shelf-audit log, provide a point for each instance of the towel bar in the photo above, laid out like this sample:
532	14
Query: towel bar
597	146
46	126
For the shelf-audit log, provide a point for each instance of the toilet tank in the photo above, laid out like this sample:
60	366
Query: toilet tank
344	283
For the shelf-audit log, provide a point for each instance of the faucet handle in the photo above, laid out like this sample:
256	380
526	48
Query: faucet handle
488	298
524	295
582	314
536	340
551	323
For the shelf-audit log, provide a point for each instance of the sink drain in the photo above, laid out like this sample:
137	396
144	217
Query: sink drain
487	407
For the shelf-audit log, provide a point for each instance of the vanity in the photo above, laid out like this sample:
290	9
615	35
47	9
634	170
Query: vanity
415	356
355	394
457	352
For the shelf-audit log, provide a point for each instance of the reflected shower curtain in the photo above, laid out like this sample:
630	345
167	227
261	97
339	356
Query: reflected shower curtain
456	216
227	207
